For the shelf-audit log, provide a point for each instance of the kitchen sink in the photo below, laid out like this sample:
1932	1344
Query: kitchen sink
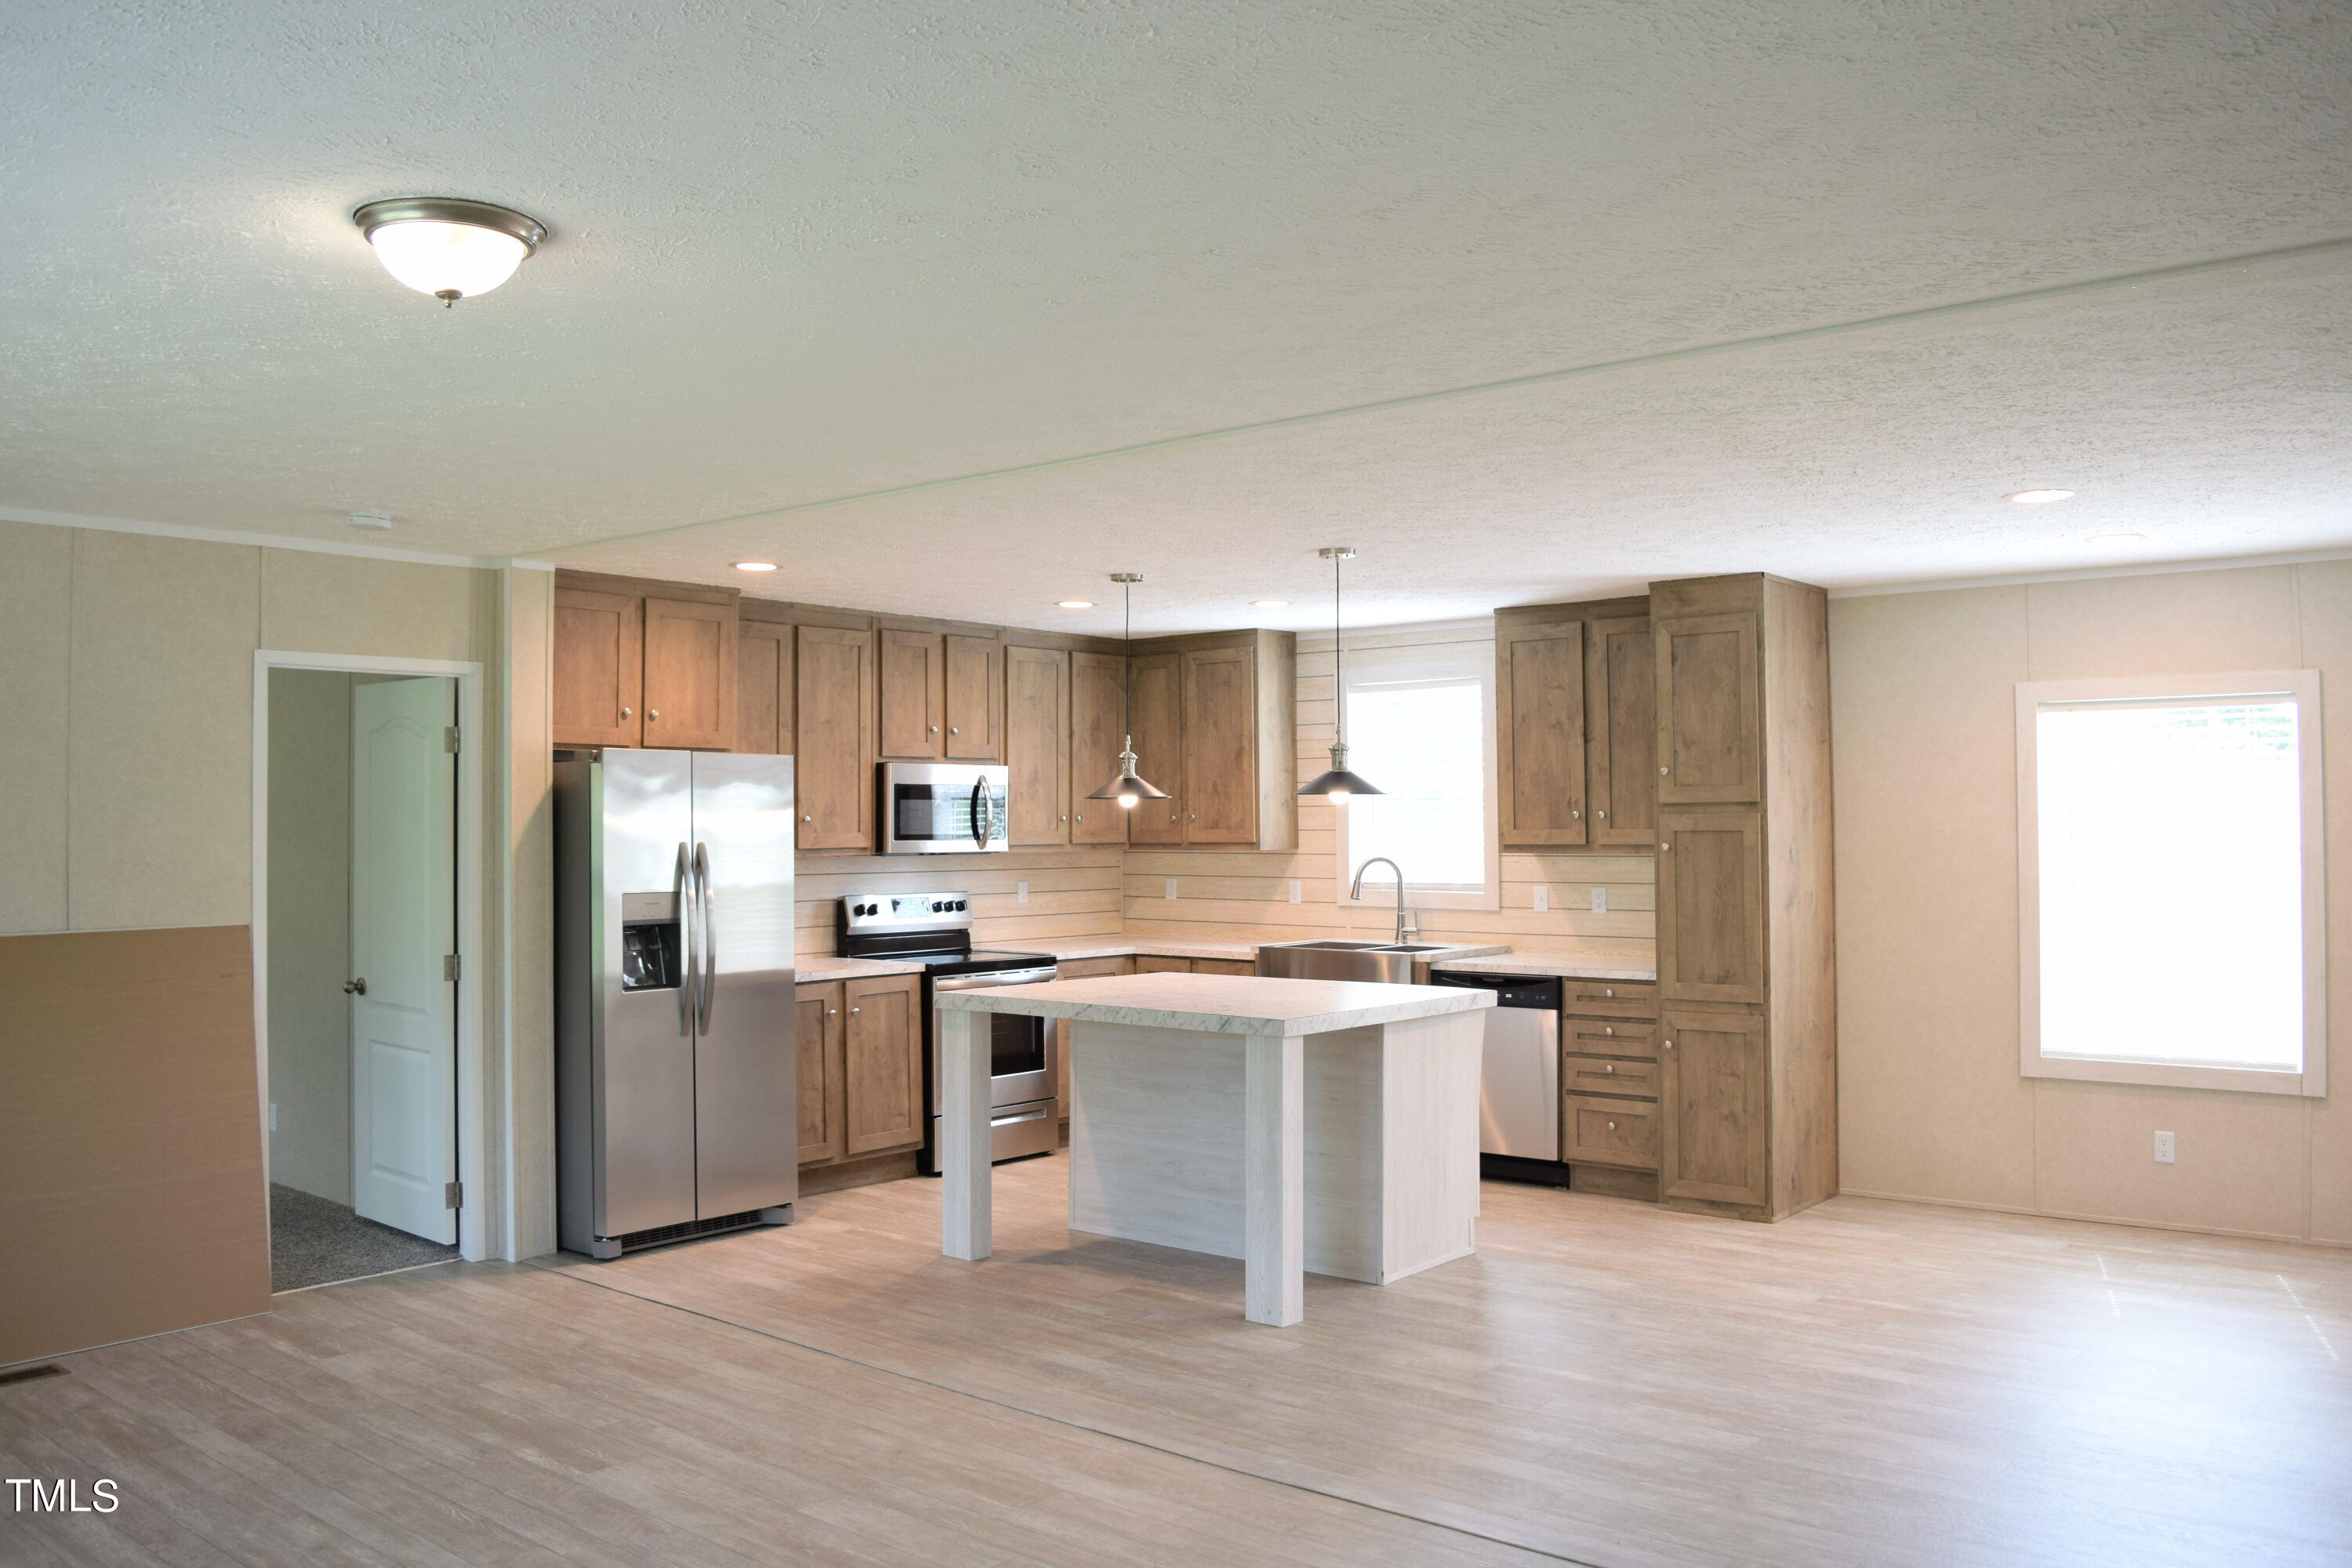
1388	964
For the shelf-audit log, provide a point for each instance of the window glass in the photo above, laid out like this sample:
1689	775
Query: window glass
1423	742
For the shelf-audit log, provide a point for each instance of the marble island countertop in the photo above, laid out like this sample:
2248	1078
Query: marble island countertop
1221	1004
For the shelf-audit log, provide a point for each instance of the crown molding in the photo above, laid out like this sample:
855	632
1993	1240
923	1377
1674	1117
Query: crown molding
2092	573
264	541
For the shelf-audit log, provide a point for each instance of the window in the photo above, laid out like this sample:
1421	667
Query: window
1419	725
2171	890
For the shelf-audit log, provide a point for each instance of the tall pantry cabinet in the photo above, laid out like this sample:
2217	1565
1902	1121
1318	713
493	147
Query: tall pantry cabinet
1746	983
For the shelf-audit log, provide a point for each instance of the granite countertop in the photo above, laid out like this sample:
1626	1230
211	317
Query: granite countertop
1567	967
812	971
1220	1003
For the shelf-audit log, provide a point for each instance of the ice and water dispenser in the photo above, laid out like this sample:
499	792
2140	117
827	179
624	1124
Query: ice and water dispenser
650	951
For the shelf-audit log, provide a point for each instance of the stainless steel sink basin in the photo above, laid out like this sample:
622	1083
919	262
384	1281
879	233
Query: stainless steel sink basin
1381	962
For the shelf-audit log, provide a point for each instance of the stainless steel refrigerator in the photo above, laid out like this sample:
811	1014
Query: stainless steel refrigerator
675	1108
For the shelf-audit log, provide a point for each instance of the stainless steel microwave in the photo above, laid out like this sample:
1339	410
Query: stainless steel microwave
944	808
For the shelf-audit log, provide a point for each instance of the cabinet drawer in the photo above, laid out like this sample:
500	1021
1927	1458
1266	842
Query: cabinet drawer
1605	1075
1613	1131
1612	998
1610	1036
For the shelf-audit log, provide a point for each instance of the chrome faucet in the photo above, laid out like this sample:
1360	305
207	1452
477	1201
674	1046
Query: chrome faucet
1405	930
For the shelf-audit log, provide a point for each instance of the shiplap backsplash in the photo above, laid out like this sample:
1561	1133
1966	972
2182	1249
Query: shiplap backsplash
1105	890
1223	895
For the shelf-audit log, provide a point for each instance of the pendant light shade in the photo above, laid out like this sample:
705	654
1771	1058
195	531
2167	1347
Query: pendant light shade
1335	783
1129	786
449	248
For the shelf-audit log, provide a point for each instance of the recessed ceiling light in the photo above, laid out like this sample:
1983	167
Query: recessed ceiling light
755	566
369	519
449	248
1076	603
2039	498
1271	604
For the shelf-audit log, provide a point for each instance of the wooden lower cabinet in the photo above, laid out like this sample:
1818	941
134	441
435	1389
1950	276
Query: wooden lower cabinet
1153	963
1714	1082
860	1049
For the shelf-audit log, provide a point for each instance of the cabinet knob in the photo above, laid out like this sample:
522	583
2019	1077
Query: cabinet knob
1065	818
624	712
952	730
1612	1127
1609	991
854	1009
832	1012
935	729
1576	816
1607	1030
1670	1045
1662	772
1600	817
1191	817
652	715
1666	847
808	819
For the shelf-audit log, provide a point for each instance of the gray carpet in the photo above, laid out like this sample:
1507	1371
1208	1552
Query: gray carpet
313	1240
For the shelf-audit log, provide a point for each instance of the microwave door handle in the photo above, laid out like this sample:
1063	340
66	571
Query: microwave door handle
684	909
708	945
980	811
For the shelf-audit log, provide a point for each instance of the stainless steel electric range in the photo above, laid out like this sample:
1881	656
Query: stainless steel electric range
934	930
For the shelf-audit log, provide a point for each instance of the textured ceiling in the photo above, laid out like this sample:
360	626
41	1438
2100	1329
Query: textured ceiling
813	252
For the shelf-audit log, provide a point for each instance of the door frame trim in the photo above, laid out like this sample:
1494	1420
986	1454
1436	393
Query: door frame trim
479	1230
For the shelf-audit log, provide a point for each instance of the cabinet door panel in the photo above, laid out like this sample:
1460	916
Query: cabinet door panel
1710	719
975	699
1711	906
1098	729
833	767
1539	734
816	1039
1036	735
882	1064
690	674
1159	747
599	686
1713	1089
913	694
1220	746
1621	696
763	687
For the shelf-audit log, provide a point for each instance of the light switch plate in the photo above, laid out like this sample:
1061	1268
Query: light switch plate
273	1116
1169	888
1293	891
1020	892
1543	898
2165	1149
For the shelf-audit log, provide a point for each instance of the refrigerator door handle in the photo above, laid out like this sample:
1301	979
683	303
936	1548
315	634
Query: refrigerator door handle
686	938
708	945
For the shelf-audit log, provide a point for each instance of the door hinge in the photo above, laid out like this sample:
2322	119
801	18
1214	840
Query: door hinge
448	966
453	1196
450	738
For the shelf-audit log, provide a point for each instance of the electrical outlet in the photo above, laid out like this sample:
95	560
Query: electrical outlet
1543	898
1294	890
1168	890
1020	892
2164	1148
273	1116
1600	901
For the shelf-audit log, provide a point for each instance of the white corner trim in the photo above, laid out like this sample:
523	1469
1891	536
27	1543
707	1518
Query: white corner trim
2088	574
262	541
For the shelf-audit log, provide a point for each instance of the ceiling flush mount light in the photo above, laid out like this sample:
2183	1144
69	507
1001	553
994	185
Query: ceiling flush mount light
449	248
1337	784
755	566
2038	498
1077	604
1129	786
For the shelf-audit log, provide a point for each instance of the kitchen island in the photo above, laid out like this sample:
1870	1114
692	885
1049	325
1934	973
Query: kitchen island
1294	1124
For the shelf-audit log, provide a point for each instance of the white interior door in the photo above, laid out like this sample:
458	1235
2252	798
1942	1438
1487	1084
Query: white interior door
403	927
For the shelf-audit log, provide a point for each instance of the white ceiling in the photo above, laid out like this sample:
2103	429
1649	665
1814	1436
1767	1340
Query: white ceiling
806	254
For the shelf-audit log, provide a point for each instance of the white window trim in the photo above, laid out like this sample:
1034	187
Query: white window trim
1470	660
2303	685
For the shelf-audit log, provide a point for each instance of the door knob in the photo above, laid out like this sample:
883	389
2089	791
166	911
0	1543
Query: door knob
355	987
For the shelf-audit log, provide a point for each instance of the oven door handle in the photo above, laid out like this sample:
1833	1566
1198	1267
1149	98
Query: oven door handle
1001	977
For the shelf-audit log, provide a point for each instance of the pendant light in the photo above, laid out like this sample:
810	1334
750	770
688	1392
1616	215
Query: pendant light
448	247
1129	786
1337	784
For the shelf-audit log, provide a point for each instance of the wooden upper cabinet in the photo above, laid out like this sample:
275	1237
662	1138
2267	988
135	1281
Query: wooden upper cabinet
914	695
1714	1085
1711	906
1159	745
975	699
1710	710
1621	706
1540	719
1036	743
834	749
1097	731
599	669
816	1040
1219	709
689	680
763	687
882	1064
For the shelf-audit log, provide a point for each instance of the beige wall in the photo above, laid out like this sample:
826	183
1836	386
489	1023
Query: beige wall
311	930
1932	1105
1219	894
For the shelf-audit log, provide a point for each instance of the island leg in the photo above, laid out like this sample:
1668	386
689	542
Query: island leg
1273	1248
966	1179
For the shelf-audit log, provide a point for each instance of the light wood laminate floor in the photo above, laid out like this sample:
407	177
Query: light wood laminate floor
1605	1383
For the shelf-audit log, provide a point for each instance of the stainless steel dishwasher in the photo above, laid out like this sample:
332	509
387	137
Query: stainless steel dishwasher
1519	1077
